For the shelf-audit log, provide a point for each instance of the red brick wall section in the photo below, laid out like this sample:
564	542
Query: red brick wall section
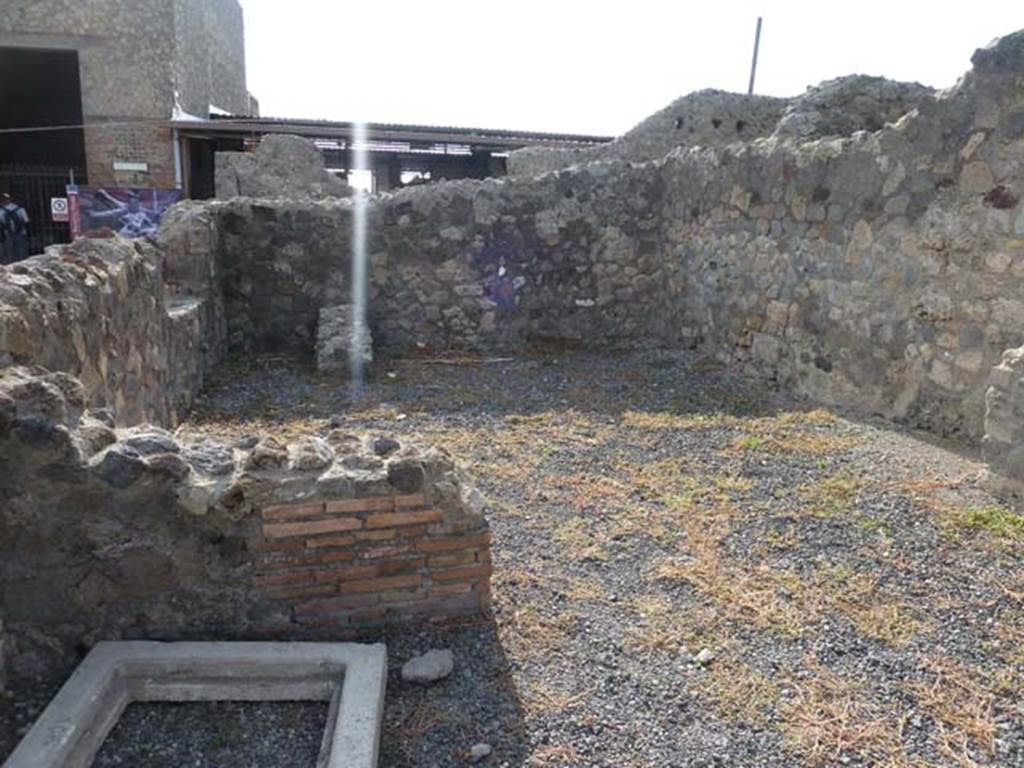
369	561
147	142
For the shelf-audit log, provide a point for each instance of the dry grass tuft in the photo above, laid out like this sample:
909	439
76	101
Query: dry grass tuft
810	433
585	589
890	622
737	691
581	541
542	698
423	718
660	420
515	581
874	613
686	489
555	756
633	522
993	526
831	496
749	443
782	600
588	491
961	706
814	443
531	631
760	596
660	626
829	719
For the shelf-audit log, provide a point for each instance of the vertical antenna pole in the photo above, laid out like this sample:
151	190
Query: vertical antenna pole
753	65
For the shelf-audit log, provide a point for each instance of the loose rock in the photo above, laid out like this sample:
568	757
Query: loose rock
429	668
479	751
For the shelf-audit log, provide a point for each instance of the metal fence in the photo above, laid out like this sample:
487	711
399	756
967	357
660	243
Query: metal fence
32	186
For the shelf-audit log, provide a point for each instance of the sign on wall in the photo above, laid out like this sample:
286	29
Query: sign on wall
129	211
58	209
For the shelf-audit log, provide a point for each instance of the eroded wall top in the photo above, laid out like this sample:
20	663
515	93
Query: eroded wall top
716	119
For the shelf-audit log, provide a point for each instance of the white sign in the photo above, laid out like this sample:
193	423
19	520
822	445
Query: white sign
128	165
59	208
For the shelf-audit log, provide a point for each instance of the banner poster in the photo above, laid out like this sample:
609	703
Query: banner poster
128	211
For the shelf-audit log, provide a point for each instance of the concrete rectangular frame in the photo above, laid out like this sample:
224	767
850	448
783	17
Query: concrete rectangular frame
350	676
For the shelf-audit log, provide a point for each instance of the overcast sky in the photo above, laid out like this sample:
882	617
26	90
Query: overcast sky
586	67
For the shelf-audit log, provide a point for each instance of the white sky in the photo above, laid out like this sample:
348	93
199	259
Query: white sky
586	67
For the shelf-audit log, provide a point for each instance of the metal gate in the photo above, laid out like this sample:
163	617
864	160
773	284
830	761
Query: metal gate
32	186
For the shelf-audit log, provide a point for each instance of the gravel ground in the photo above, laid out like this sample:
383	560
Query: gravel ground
690	569
217	734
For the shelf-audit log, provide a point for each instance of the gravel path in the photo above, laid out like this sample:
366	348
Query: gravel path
690	569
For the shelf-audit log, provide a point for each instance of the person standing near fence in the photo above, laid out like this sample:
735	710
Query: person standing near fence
14	227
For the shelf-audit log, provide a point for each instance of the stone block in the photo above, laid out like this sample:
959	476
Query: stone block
336	329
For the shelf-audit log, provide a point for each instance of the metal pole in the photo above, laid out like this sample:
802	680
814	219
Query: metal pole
753	65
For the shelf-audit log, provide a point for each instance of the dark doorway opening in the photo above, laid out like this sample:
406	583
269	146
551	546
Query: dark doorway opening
40	96
201	153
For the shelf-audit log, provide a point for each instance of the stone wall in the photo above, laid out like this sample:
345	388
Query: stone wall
118	42
108	533
483	265
139	331
879	270
845	105
149	143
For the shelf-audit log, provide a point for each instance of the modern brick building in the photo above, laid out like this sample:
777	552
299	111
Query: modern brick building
91	87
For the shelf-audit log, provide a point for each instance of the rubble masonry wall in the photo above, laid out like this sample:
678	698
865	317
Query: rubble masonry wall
881	270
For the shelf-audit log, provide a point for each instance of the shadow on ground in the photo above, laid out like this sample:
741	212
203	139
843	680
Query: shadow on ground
478	703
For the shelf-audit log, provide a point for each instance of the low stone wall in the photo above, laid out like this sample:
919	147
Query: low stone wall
483	265
128	533
138	328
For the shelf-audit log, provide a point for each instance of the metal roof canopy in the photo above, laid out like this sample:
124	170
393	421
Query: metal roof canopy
479	139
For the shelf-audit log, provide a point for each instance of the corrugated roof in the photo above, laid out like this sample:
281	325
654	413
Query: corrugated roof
483	137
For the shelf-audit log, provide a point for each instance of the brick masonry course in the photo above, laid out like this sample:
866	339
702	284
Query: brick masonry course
342	577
